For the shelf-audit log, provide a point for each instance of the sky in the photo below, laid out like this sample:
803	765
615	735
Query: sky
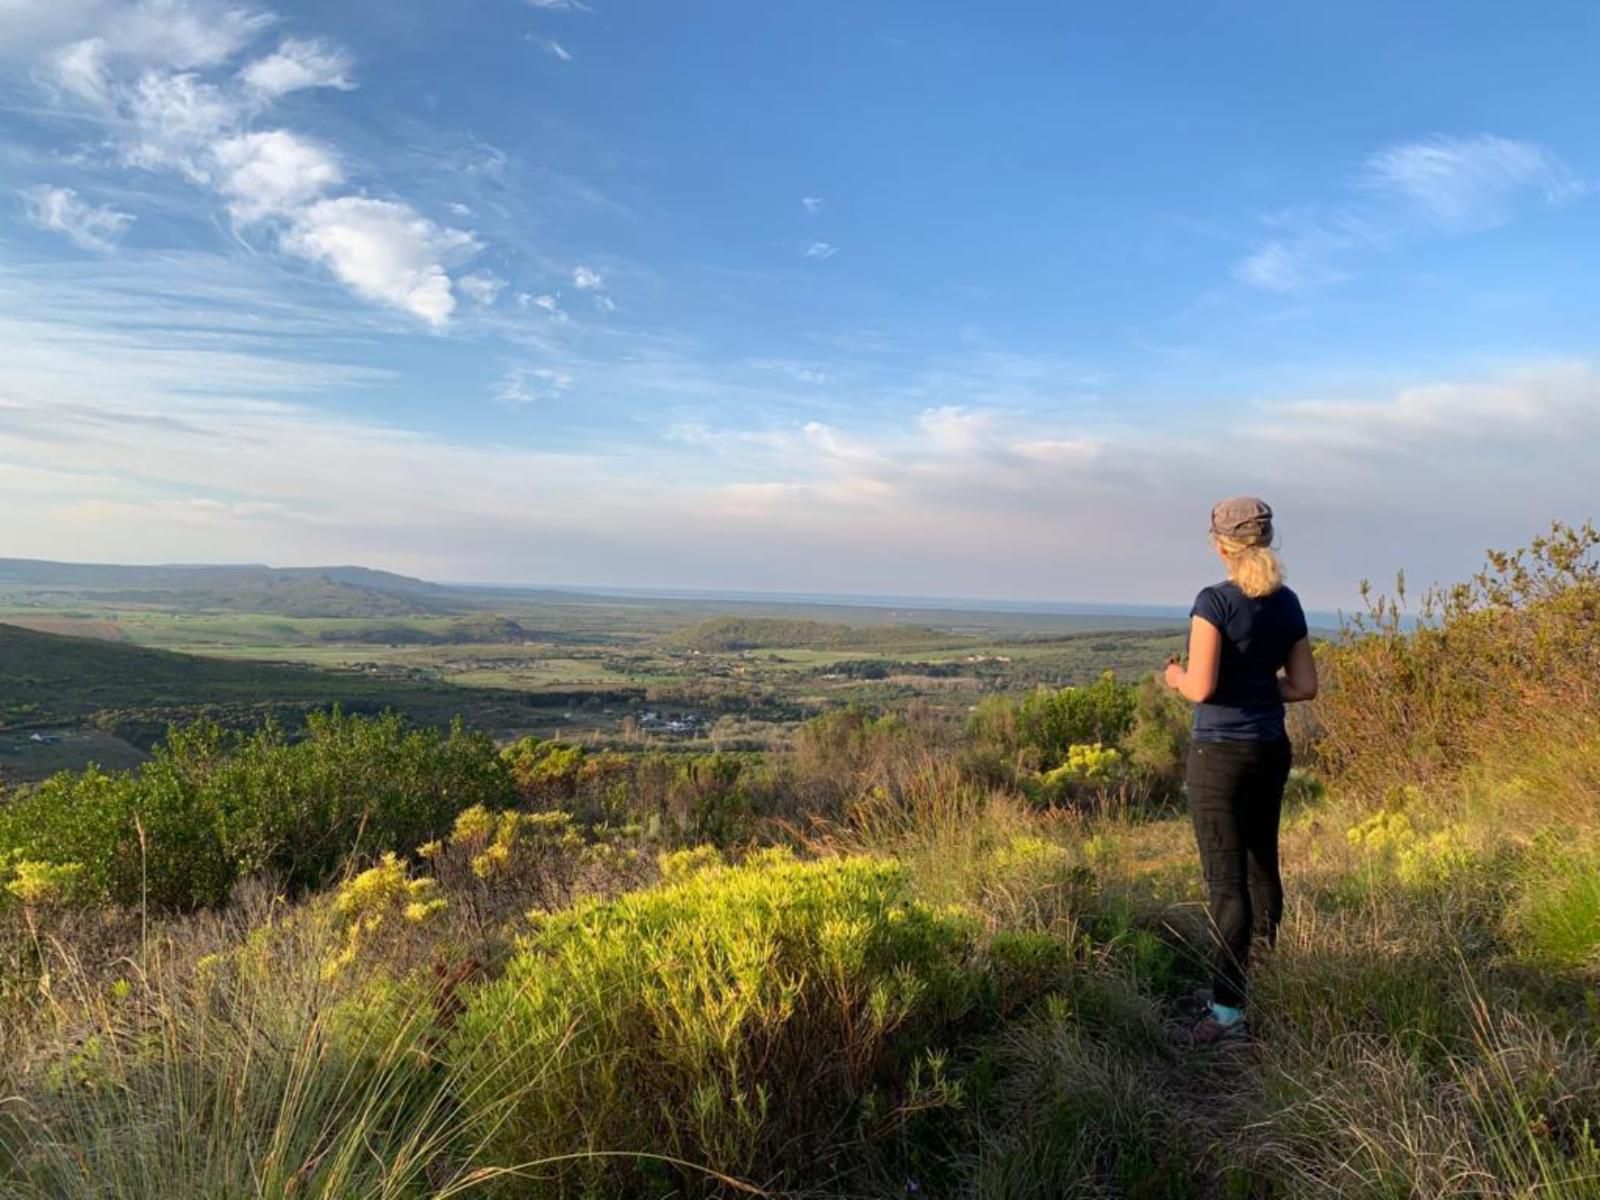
913	297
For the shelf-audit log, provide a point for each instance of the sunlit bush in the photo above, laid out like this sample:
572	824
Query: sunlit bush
213	807
736	1018
1491	666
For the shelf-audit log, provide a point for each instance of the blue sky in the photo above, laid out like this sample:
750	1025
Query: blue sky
911	298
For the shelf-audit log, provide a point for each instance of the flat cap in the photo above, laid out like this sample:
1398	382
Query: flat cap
1243	518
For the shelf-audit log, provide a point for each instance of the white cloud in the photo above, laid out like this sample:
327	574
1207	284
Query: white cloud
1465	184
834	444
1442	185
181	34
522	386
812	204
587	279
299	63
801	371
555	49
174	120
481	287
544	302
384	251
273	173
59	209
955	429
80	69
821	250
1306	247
1547	400
161	77
458	209
558	5
1273	267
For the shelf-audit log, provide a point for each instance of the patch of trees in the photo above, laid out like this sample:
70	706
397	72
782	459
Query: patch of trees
731	634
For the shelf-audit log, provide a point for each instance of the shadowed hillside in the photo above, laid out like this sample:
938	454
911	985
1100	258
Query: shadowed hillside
283	591
51	682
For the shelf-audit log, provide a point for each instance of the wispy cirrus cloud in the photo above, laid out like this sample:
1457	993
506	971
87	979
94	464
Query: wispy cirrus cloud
1306	249
172	85
523	385
148	33
61	210
1467	184
1437	186
481	287
820	250
297	64
161	436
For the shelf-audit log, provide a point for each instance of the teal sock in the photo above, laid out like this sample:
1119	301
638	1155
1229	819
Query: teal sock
1226	1015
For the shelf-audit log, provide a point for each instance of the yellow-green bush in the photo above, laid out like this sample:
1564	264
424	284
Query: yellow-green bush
1417	859
736	1018
377	902
214	807
494	865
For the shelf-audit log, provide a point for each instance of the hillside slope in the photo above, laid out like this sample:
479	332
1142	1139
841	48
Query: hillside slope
48	681
343	591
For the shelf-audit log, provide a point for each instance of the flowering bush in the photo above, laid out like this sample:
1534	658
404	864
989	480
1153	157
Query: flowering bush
1418	860
378	900
730	1017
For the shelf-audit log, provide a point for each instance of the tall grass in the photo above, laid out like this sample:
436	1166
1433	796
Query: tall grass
231	1073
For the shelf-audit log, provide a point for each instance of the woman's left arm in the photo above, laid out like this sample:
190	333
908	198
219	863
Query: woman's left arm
1199	680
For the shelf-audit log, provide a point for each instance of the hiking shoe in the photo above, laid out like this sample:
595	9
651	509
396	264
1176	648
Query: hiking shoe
1208	1031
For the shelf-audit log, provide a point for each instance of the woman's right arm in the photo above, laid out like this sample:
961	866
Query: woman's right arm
1299	678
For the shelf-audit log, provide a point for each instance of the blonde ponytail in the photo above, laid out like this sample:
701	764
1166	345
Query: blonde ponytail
1251	565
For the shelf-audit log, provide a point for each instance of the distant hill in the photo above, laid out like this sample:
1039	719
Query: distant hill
281	591
722	634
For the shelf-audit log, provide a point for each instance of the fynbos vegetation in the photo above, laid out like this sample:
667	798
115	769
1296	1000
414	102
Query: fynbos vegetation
901	952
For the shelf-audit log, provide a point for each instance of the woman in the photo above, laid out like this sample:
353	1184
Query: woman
1242	633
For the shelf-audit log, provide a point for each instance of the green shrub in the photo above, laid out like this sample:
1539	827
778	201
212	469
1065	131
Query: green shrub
1050	723
1158	740
544	772
212	807
735	1018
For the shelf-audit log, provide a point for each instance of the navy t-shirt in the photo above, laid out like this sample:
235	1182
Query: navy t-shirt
1256	637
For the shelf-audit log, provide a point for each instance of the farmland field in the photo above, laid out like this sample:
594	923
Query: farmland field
511	661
